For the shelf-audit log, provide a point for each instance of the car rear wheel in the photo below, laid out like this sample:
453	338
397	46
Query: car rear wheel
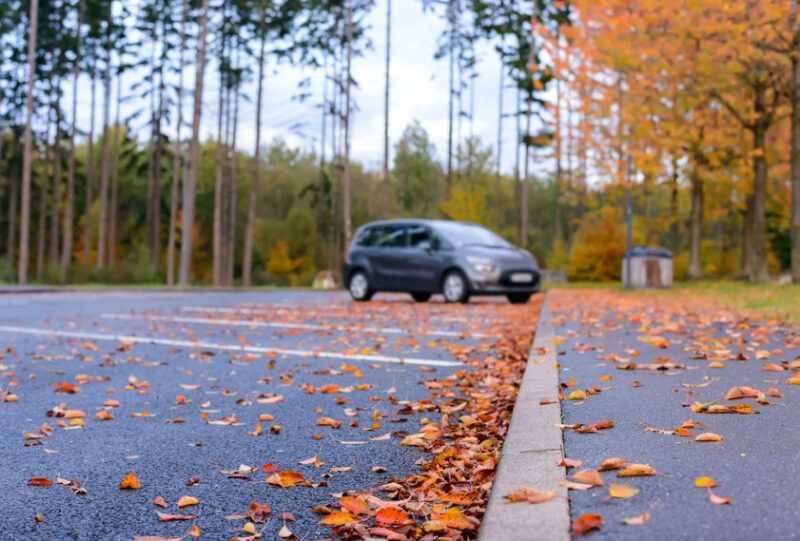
421	297
518	298
360	288
454	287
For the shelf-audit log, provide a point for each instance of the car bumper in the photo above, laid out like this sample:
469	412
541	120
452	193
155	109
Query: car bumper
502	284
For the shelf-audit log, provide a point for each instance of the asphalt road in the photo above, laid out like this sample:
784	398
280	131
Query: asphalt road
755	465
223	352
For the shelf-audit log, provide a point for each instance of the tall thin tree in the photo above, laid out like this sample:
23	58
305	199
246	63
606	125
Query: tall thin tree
27	156
190	186
346	188
176	155
387	204
105	167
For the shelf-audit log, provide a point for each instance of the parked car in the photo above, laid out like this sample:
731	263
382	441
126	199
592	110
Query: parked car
424	257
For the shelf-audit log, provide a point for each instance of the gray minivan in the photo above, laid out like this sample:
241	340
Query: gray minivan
424	257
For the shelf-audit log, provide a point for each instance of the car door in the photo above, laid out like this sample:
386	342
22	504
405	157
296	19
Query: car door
388	257
422	261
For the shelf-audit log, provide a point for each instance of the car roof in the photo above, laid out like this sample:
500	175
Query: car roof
414	221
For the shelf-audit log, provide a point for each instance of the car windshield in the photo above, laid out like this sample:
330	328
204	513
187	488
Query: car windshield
462	234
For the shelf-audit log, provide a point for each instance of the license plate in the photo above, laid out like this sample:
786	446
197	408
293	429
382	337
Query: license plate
521	277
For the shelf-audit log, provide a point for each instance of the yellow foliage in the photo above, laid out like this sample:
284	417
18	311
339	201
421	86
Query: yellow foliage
467	204
280	264
599	246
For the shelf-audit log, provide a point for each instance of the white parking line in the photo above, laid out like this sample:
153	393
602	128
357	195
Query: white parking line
280	325
226	347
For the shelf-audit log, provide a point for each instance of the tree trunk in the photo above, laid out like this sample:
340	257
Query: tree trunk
176	157
695	240
250	227
44	189
27	154
155	239
346	188
220	160
66	248
674	225
114	205
323	204
524	204
404	175
190	186
557	234
498	173
517	179
52	259
758	251
233	193
451	93
11	237
87	236
747	234
387	203
794	87
102	222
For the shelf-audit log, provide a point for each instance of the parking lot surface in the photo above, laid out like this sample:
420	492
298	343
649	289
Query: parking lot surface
208	395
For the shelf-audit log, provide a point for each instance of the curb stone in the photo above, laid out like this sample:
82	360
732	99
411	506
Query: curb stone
531	452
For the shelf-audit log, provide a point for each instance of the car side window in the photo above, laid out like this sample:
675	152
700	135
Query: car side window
390	236
419	234
366	238
439	242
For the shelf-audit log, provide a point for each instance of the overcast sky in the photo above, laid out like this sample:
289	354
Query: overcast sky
419	90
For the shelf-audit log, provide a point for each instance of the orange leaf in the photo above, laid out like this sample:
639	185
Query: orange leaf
39	482
708	436
103	416
634	470
454	519
354	505
589	476
285	479
338	518
586	523
705	482
636	521
391	515
186	501
130	482
159	501
618	490
613	463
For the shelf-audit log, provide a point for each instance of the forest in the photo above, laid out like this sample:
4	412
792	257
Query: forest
691	108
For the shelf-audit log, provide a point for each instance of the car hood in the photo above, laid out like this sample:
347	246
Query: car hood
505	258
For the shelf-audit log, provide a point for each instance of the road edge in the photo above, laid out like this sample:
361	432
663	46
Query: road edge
531	452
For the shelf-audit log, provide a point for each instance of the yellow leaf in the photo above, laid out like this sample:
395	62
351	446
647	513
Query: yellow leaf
618	490
186	501
705	482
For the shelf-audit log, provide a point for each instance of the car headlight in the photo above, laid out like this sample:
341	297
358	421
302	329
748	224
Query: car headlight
483	265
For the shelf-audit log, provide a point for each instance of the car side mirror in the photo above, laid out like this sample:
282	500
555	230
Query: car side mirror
425	245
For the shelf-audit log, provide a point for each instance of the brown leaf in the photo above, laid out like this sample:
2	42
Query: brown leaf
589	476
160	501
530	495
259	512
634	470
39	482
130	482
613	463
586	523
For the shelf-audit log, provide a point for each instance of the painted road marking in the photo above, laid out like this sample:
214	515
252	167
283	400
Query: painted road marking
280	325
226	347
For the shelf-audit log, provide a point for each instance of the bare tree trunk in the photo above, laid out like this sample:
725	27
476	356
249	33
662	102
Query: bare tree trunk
66	249
27	157
247	265
387	204
404	175
52	259
334	194
758	252
498	173
695	264
102	222
44	188
517	178
11	238
346	208
451	18
114	204
525	180
233	194
794	87
322	200
176	157
190	186
747	235
87	237
218	179
557	233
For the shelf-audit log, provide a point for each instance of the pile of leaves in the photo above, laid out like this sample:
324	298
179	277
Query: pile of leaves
463	425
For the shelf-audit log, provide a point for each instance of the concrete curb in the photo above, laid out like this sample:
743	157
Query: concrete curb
531	453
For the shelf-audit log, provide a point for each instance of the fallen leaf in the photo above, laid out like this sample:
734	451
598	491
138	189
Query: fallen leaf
186	501
259	512
169	518
589	476
613	463
195	531
719	500
338	518
705	482
586	523
39	482
634	470
570	463
391	515
530	495
285	532
130	482
618	490
577	394
636	521
160	501
285	479
708	437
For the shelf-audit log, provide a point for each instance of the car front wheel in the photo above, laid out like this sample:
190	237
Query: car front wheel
518	298
360	288
455	287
